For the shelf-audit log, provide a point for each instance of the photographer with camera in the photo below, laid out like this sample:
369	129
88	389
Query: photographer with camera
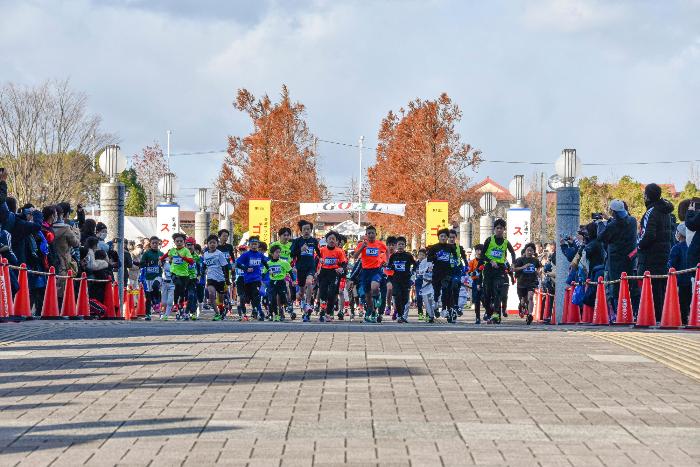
618	235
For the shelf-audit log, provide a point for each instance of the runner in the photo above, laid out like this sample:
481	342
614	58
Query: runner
425	270
459	263
240	287
279	270
441	255
195	292
285	234
180	260
402	265
476	268
150	275
167	291
252	263
419	284
304	252
216	269
386	287
333	264
496	248
371	251
527	269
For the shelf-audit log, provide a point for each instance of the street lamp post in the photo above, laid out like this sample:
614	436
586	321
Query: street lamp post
225	213
359	184
516	189
465	228
201	218
488	204
568	167
112	162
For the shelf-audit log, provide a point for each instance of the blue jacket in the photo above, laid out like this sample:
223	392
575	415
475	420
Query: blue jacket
678	259
255	260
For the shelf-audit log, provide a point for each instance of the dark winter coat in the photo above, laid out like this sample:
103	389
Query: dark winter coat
692	222
619	237
654	243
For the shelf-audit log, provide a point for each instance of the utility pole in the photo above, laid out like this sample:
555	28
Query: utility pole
359	191
543	221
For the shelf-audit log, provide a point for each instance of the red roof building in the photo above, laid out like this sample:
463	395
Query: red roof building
489	185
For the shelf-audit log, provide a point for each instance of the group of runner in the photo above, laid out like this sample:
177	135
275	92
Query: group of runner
326	278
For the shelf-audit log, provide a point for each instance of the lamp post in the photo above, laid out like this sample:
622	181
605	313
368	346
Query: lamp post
168	187
568	167
359	184
225	213
516	189
112	162
488	204
465	228
201	218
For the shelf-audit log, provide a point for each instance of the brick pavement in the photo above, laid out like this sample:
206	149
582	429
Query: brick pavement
106	393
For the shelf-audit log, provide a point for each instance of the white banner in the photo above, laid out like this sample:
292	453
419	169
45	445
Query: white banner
382	208
168	222
519	227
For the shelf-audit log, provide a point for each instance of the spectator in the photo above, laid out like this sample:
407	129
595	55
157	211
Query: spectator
618	234
692	223
654	244
67	237
678	260
101	232
87	230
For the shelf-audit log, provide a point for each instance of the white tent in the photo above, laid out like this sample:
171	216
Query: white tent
136	227
349	227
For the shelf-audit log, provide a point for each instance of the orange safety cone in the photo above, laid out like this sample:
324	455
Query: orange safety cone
83	299
671	314
553	314
109	302
646	316
50	309
141	304
574	309
115	296
600	310
624	316
127	309
68	309
5	292
567	303
538	306
23	307
587	316
547	301
694	315
8	282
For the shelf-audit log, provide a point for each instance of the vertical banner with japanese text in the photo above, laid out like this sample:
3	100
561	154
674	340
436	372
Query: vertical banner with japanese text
259	218
519	228
436	218
168	222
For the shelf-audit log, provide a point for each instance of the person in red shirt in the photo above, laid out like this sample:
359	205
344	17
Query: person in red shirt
333	263
372	253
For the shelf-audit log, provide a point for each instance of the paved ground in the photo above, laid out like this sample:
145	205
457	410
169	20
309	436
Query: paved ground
200	393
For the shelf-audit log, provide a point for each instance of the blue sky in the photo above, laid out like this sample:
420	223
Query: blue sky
617	80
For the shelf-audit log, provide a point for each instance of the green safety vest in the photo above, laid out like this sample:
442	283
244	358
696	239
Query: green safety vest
495	252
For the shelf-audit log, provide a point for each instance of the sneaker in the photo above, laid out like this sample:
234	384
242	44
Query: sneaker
459	312
322	318
341	316
431	320
245	318
261	317
292	315
276	318
528	320
478	321
217	317
379	318
387	312
368	319
148	317
193	317
164	318
305	318
394	316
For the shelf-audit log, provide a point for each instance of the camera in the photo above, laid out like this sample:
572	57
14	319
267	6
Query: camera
597	216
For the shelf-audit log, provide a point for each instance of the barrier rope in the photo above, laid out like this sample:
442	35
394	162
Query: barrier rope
41	273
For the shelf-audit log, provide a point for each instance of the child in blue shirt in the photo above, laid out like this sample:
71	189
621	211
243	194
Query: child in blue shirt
252	263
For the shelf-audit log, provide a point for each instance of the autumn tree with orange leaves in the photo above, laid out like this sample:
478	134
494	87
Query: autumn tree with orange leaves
420	156
277	160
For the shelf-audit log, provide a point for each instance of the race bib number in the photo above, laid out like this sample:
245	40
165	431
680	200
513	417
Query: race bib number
274	270
152	269
400	266
372	251
177	260
330	261
443	256
497	254
254	263
529	269
309	251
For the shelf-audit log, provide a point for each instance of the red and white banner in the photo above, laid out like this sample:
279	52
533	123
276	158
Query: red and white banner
518	228
381	208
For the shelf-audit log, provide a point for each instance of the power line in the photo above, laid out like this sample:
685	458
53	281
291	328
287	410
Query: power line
485	161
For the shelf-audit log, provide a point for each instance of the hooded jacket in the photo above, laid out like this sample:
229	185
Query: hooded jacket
654	241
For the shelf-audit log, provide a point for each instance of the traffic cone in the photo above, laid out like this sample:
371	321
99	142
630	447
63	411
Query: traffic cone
68	309
671	315
83	299
646	316
547	301
141	304
109	301
50	309
22	305
624	316
574	309
567	302
4	294
8	282
587	316
694	315
538	305
115	296
600	311
127	311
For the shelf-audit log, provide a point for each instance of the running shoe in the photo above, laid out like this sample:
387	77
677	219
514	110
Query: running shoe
217	317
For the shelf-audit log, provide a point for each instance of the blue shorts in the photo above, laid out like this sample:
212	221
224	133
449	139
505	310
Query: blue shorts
367	276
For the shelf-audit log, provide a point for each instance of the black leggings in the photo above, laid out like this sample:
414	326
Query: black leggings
442	288
492	288
328	282
181	286
252	294
401	292
277	289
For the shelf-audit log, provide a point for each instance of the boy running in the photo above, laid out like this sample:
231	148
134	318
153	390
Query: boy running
527	269
401	264
180	260
371	251
150	273
494	276
425	269
442	256
333	264
278	270
252	263
216	268
285	245
304	252
476	268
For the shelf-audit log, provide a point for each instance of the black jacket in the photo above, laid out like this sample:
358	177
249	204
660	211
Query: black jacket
655	235
692	222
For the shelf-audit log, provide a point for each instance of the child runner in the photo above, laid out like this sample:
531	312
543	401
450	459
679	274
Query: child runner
252	263
402	265
425	269
495	248
285	234
459	263
476	267
240	287
167	290
386	287
195	292
527	269
371	251
419	284
304	252
278	270
441	255
216	268
151	272
333	264
180	260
